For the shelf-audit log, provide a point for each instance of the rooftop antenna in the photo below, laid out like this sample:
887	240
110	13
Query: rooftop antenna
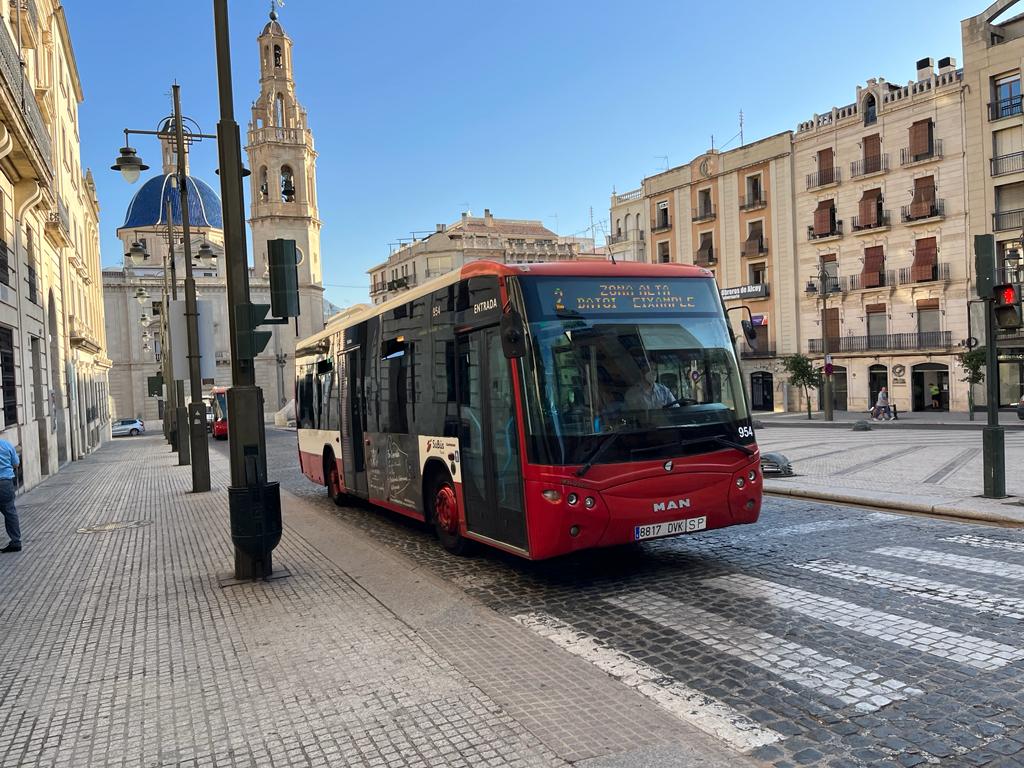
741	127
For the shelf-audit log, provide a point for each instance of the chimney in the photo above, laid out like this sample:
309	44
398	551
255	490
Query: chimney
440	228
925	68
465	215
947	64
488	219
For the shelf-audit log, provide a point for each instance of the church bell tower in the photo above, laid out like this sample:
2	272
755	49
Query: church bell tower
283	181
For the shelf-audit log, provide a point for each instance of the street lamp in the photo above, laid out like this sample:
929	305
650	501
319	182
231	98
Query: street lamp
205	257
828	284
130	164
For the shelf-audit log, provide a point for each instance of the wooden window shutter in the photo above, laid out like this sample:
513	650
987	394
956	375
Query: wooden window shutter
925	260
872	145
869	207
872	309
927	303
832	324
827	257
823	216
874	261
705	253
924	197
921	139
826	158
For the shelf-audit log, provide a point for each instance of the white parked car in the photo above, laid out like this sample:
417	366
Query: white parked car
132	427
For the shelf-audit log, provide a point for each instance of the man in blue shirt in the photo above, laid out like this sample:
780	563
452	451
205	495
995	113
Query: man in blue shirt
8	461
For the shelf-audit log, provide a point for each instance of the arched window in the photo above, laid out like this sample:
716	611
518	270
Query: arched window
279	111
278	61
618	226
870	110
266	56
287	184
264	187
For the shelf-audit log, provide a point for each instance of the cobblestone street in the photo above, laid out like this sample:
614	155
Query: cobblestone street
824	635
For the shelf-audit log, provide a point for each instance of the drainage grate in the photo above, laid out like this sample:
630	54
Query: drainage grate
116	525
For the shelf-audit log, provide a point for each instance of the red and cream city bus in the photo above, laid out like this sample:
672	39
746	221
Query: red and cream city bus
538	408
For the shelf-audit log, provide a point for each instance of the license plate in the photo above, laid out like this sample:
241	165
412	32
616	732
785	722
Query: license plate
671	528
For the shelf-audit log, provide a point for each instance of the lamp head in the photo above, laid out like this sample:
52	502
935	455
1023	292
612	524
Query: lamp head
129	164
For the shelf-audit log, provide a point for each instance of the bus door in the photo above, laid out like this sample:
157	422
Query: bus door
352	422
488	440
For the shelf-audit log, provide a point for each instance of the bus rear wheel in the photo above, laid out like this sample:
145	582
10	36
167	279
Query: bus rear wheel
333	480
442	508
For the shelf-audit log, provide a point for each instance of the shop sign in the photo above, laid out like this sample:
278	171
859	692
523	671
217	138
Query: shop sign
758	291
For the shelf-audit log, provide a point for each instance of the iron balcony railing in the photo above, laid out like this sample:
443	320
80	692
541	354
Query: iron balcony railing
661	226
909	212
1005	108
886	277
1011	163
1008	219
872	164
816	287
940	271
835	231
11	74
33	285
934	152
885	341
761	352
823	177
756	247
704	213
750	202
881	220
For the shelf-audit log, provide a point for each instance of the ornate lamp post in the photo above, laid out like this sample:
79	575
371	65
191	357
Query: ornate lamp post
827	284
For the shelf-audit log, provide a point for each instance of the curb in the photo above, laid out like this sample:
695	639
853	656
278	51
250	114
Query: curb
940	510
974	427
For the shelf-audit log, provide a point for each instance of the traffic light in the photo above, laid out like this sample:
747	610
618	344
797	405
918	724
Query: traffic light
284	277
1007	307
250	341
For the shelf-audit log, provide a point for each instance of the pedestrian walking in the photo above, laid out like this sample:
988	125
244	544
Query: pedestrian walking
9	461
882	411
936	395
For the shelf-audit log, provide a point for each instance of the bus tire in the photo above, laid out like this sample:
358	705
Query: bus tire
332	479
441	506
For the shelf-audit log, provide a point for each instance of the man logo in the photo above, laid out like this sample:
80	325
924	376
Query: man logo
665	506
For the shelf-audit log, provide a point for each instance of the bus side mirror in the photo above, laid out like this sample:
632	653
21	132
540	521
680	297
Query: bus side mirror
749	332
513	339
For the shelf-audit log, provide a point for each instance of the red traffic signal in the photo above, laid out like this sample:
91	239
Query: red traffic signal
1007	306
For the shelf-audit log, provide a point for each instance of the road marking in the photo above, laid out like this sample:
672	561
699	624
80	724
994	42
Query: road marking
825	675
981	541
927	638
961	562
815	526
875	461
700	710
951	466
975	599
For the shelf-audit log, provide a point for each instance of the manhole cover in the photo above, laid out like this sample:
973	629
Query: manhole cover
114	526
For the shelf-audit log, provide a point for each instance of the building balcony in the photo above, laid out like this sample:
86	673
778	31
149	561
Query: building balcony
830	285
835	231
753	202
11	75
1008	107
1011	163
661	226
625	237
82	336
934	152
754	354
896	342
633	194
912	213
882	220
706	213
58	226
823	178
275	134
1002	220
29	21
869	165
863	282
757	247
924	273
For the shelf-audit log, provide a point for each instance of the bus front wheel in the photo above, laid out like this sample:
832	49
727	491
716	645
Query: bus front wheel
442	505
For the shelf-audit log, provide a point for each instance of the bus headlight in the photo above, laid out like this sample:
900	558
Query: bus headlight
589	502
572	498
552	495
740	482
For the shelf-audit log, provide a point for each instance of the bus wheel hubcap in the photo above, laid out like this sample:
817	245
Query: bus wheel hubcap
445	510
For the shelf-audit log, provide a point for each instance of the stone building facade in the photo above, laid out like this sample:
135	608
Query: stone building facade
731	212
53	364
281	155
471	238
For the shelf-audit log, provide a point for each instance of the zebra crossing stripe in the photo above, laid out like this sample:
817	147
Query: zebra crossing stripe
982	541
910	633
825	675
696	708
927	589
961	562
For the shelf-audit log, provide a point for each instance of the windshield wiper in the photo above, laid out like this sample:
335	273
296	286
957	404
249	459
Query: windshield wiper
732	444
697	441
603	447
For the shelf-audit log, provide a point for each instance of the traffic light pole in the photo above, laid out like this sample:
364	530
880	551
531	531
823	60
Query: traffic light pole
993	444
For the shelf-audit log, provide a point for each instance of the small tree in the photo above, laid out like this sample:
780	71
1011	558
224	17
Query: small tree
801	374
972	361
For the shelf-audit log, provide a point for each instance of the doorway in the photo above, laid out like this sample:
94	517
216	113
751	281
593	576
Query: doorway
878	377
762	391
839	394
930	386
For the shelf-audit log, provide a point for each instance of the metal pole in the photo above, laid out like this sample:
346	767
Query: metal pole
170	412
827	380
993	447
255	504
196	408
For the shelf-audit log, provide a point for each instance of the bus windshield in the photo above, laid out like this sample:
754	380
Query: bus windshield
652	359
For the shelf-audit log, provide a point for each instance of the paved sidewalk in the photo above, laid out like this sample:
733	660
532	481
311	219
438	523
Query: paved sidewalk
118	646
932	471
906	420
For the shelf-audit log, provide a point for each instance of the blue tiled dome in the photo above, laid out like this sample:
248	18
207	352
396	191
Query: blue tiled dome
149	206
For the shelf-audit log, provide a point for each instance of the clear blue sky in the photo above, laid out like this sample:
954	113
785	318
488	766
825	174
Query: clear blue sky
532	109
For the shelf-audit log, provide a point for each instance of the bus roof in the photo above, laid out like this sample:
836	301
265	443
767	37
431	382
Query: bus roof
589	268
